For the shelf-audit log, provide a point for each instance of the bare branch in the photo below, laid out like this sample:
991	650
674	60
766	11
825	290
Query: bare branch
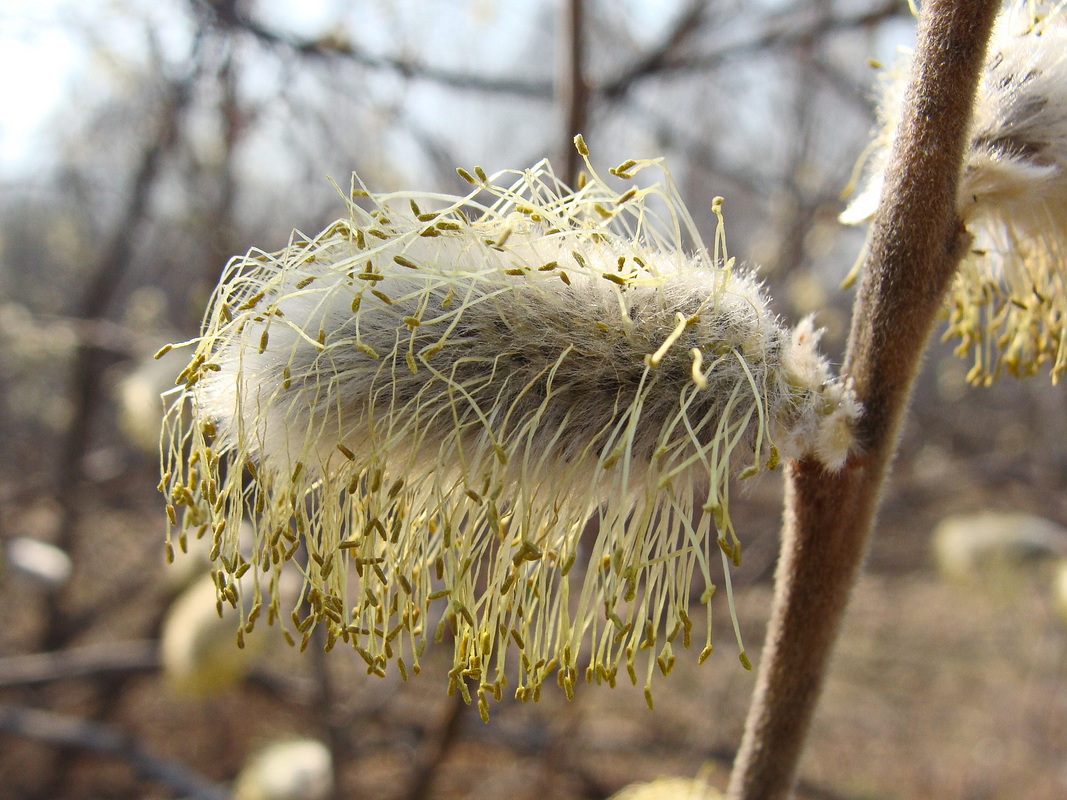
89	365
82	662
68	731
915	249
784	31
323	702
572	90
659	58
226	15
436	748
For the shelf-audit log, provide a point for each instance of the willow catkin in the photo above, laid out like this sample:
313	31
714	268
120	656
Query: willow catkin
1008	304
290	769
513	418
199	652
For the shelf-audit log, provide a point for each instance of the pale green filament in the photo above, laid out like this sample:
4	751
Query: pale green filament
487	420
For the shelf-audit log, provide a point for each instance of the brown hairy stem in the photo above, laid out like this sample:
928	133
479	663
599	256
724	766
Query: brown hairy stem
916	242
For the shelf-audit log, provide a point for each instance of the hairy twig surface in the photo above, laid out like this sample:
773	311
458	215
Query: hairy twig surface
915	247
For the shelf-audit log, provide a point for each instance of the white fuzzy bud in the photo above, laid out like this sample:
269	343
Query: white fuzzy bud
40	561
669	789
969	546
137	395
300	769
1008	304
438	395
198	650
1059	589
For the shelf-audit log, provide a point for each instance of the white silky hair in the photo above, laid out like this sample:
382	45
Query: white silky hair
1014	182
499	337
1015	166
1009	300
438	404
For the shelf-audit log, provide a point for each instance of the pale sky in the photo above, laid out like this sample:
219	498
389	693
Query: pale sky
43	46
37	59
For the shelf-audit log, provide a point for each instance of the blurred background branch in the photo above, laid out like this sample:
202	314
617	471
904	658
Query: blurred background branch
67	731
572	90
80	662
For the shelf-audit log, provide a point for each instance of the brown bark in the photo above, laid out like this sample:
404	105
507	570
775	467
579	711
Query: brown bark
915	245
571	89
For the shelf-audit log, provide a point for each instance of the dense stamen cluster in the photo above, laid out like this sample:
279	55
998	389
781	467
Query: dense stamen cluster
509	418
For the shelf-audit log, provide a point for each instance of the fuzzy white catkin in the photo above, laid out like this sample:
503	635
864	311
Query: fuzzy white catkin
198	649
44	563
1059	589
298	769
669	789
1008	305
972	545
515	418
137	396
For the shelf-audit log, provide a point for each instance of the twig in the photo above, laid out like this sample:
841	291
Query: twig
787	31
572	91
226	14
915	247
114	338
323	704
82	662
86	389
220	233
435	748
658	58
71	732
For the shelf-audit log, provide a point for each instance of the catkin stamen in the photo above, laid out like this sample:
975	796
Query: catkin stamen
438	421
